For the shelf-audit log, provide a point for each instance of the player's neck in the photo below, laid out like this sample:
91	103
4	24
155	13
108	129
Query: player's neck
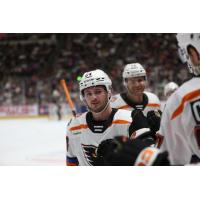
102	115
135	98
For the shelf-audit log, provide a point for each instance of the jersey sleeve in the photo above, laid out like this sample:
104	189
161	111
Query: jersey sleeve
71	159
173	141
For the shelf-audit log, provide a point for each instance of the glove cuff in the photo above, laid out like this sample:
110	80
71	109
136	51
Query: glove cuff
147	156
139	132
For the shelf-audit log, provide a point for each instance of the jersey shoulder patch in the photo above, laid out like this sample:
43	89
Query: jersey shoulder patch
153	100
114	98
152	97
77	123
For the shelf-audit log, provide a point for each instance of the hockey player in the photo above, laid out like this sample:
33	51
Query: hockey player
169	89
134	80
101	122
180	123
135	98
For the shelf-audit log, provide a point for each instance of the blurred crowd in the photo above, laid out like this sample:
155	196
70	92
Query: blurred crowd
31	65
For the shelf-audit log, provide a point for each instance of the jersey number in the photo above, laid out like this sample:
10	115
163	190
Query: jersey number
195	105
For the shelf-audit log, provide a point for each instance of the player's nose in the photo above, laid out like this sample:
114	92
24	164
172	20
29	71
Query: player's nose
93	96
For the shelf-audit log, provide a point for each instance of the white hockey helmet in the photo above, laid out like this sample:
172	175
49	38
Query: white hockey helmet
184	40
170	88
133	70
94	78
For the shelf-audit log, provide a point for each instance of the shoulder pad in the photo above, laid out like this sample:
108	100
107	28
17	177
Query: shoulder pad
123	114
80	118
153	98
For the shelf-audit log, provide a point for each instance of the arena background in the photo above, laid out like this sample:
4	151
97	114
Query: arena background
32	100
31	66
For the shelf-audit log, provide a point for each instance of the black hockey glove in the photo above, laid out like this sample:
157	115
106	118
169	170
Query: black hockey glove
140	128
154	118
121	151
139	121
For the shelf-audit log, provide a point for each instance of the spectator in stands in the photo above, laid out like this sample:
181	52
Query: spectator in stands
23	56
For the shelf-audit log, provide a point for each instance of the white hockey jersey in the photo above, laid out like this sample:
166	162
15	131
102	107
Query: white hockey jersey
180	124
150	102
82	141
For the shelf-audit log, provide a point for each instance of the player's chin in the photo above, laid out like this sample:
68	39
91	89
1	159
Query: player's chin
96	108
139	91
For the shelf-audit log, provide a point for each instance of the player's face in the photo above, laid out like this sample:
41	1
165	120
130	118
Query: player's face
194	56
96	98
136	85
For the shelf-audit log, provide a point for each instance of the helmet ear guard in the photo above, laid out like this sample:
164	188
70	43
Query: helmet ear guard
109	95
81	97
124	83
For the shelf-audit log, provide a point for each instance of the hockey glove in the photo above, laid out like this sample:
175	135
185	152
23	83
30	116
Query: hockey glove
125	152
140	128
154	118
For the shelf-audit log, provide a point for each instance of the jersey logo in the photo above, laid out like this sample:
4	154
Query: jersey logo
90	153
88	75
113	98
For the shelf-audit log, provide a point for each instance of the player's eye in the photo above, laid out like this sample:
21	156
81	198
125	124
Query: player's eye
98	92
140	80
88	94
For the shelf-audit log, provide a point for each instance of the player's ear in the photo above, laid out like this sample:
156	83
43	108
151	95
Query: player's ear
109	95
125	82
82	98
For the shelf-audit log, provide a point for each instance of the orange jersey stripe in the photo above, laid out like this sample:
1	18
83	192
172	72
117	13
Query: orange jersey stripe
119	121
124	107
187	97
72	164
81	126
153	105
149	104
84	126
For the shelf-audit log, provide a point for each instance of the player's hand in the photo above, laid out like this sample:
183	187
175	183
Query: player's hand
121	151
154	118
140	128
105	147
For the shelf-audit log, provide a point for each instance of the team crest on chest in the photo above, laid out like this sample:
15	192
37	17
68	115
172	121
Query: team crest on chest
89	152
